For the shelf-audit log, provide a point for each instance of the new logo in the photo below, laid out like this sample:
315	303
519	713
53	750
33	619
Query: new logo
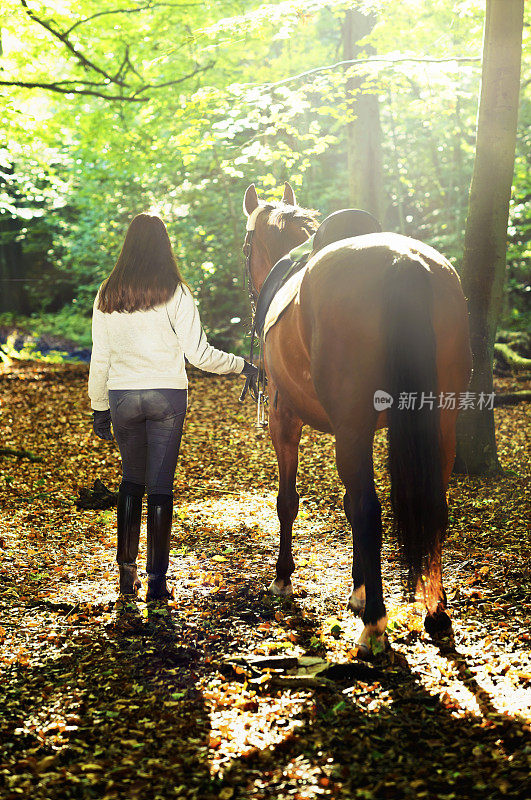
382	400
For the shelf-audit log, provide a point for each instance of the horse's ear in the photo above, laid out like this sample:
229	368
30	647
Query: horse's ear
289	195
250	200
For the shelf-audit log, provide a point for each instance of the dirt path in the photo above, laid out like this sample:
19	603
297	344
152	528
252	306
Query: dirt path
101	701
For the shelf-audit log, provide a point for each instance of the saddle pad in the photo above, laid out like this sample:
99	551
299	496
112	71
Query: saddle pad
276	278
285	295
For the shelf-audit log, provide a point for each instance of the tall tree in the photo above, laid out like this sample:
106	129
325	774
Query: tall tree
484	258
364	133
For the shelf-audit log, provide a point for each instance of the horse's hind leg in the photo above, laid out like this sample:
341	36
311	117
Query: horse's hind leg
437	620
356	601
285	428
355	467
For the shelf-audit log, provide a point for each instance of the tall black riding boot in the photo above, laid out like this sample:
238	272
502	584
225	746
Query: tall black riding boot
159	519
129	516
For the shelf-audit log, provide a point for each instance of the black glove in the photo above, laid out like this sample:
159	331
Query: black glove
249	370
101	424
250	373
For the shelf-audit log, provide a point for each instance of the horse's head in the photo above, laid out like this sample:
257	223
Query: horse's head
273	229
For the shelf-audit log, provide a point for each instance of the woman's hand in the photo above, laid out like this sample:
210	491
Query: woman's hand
101	424
250	373
249	370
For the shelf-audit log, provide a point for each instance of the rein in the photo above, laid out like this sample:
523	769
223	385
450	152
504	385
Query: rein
247	251
258	390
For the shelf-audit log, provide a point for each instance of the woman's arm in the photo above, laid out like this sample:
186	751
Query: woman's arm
187	326
99	361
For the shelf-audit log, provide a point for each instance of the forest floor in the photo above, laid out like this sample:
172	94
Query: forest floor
104	700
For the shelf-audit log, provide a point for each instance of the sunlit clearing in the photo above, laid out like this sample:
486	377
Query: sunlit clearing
299	771
230	512
243	722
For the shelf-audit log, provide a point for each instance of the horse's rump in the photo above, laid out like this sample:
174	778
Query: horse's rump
344	298
325	330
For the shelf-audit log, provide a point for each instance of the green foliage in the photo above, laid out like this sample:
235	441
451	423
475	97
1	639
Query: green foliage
68	324
29	351
212	103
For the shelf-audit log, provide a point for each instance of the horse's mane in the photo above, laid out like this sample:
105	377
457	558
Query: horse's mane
280	214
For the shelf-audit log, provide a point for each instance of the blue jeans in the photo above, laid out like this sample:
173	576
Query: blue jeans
148	425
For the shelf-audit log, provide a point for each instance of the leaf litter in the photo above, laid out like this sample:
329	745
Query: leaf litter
103	697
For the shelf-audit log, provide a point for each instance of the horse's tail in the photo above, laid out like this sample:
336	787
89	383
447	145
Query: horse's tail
417	493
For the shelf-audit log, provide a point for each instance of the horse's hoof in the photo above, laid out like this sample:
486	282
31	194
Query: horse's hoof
373	639
280	588
377	648
364	653
438	624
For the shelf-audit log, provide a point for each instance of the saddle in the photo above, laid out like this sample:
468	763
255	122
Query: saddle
342	224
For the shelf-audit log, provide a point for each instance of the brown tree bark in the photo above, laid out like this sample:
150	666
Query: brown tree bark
364	133
484	257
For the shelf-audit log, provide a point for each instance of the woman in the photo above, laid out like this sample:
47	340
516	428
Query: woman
145	322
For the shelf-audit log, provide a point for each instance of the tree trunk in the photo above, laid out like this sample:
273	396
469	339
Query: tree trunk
12	268
484	257
364	133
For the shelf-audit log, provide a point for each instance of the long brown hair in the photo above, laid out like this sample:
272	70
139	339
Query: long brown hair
146	273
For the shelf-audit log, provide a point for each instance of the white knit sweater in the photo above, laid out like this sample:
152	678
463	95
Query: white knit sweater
140	350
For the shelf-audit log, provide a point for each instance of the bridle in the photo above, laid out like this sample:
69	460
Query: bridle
253	291
248	276
247	252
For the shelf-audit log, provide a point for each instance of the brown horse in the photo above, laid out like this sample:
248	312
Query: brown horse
375	312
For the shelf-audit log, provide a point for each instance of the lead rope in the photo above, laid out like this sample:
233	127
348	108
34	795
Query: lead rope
257	389
262	399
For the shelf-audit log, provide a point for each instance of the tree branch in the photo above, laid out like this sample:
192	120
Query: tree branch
192	74
10	451
127	90
62	37
136	10
375	60
511	357
61	89
84	87
511	398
